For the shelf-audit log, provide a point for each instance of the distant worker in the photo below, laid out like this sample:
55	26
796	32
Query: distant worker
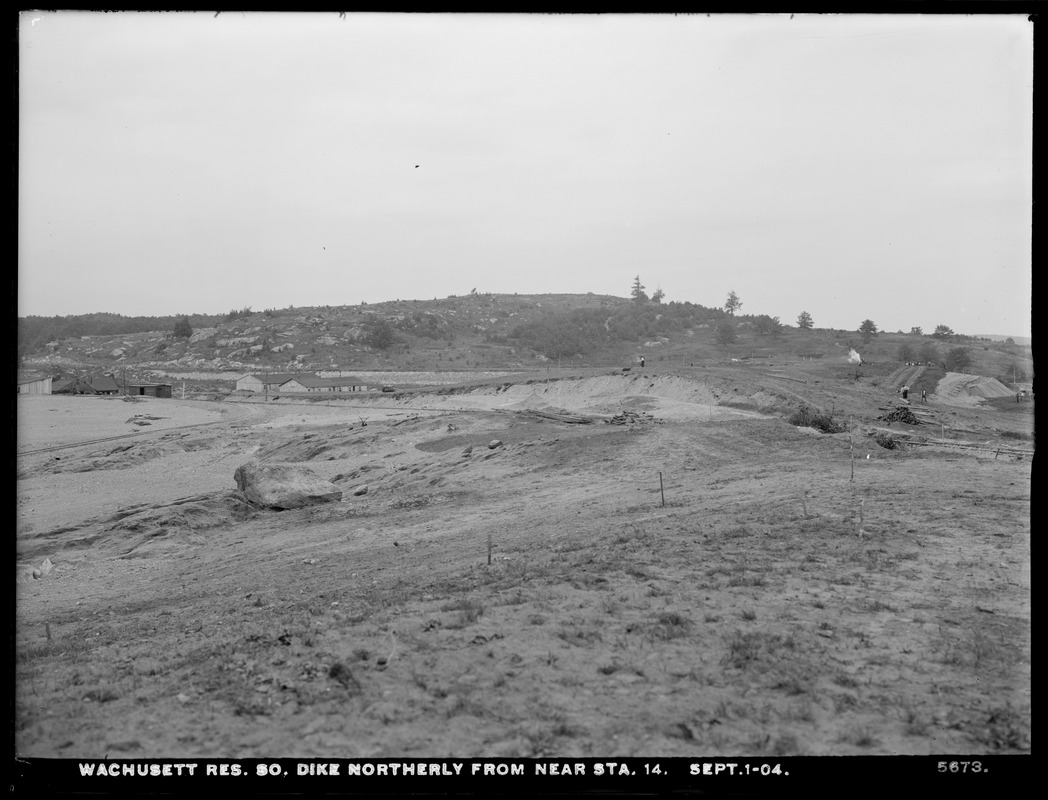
1018	397
642	361
924	395
905	392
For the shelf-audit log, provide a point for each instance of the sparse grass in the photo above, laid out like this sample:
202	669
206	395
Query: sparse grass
579	635
845	680
860	736
463	705
785	745
749	615
801	713
1004	729
745	648
751	579
875	605
916	723
70	647
671	625
792	682
469	610
844	702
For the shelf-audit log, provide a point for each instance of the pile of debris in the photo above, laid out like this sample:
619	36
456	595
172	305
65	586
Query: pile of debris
901	415
143	419
560	416
630	418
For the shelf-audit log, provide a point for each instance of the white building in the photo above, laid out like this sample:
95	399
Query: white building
34	385
261	382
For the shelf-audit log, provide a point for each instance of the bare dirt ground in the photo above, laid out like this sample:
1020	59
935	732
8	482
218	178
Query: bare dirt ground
711	580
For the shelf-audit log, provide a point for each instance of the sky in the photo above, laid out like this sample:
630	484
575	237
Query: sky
852	166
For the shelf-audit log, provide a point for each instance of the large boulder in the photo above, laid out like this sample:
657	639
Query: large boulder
284	486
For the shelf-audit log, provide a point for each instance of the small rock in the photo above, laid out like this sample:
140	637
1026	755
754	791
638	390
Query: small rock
468	450
494	443
360	490
46	567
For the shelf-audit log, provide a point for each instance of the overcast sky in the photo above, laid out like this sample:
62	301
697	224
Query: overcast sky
852	166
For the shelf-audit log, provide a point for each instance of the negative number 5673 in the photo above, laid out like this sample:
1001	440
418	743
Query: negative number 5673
961	766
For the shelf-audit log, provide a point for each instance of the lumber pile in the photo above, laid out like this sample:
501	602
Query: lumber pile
561	416
901	415
630	418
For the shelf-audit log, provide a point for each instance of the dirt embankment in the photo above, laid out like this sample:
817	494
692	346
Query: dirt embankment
960	389
671	589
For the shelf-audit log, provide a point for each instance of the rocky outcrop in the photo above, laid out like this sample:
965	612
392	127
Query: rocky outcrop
283	486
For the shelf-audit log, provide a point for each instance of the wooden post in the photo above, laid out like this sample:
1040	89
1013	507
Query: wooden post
661	492
851	449
489	548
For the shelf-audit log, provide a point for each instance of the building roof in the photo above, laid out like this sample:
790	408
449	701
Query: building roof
103	383
346	380
272	377
24	379
310	381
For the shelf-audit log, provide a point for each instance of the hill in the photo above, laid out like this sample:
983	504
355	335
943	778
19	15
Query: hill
469	332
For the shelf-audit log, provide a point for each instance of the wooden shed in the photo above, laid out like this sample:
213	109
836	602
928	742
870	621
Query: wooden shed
34	384
149	389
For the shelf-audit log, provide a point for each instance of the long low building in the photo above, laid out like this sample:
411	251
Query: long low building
262	382
277	382
314	383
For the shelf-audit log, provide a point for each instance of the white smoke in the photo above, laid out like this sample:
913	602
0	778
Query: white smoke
854	358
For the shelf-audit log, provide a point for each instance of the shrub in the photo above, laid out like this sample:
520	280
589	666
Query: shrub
183	330
807	417
886	441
